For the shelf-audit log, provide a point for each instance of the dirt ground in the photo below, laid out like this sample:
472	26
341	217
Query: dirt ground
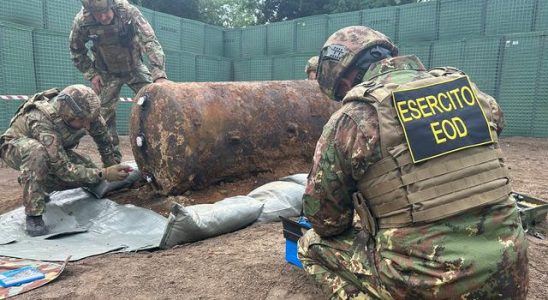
247	264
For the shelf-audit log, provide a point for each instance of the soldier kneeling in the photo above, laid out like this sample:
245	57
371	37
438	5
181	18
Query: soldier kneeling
40	143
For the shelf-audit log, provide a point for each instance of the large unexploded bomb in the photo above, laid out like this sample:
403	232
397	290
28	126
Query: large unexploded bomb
189	135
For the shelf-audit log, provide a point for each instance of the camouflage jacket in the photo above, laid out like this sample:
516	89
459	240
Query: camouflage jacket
435	260
143	41
57	137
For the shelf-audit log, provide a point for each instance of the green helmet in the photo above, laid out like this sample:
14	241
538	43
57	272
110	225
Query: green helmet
97	6
342	50
312	64
78	102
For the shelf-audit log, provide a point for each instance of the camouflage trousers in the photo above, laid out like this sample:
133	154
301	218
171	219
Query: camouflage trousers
342	266
37	179
110	95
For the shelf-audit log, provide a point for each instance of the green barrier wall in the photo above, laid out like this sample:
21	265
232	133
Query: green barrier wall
212	68
540	121
192	39
299	63
504	16
52	65
383	19
254	41
123	112
280	38
482	58
7	110
59	14
233	43
16	60
338	21
519	86
311	34
455	23
282	67
23	12
168	30
213	40
253	69
421	50
500	44
447	53
418	22
541	21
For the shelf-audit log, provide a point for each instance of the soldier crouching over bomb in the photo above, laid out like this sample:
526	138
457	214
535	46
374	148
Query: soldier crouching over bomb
416	154
40	143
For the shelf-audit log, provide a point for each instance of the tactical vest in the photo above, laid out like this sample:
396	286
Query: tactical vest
113	45
402	193
69	137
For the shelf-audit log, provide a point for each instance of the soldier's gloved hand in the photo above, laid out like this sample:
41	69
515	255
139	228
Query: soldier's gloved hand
97	84
116	172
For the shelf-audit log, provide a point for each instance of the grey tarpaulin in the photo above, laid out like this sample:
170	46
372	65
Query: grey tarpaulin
280	198
198	222
81	225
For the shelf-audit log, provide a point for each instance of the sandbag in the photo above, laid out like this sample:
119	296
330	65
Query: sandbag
198	222
299	178
280	198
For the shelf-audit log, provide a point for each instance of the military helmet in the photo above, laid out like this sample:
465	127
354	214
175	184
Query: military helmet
78	102
97	6
312	64
344	49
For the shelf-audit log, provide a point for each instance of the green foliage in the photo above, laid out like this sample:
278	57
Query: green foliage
188	9
229	13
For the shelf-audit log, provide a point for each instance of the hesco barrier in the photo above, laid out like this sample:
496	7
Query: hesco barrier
477	36
16	60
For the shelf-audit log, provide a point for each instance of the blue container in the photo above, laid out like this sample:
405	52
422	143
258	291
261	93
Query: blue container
293	230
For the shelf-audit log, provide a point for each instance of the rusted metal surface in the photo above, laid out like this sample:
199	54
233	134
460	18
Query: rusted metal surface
190	135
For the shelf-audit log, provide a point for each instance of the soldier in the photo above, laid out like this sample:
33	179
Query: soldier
310	68
120	34
416	155
40	143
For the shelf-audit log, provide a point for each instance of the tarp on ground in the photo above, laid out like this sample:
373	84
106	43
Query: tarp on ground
80	226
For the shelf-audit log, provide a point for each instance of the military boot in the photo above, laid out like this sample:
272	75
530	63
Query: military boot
36	226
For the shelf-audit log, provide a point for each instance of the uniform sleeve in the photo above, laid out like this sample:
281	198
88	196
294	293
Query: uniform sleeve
43	131
99	132
496	112
150	43
78	51
342	155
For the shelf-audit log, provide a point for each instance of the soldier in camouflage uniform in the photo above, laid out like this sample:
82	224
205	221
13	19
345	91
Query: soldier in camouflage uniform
120	35
443	227
40	143
310	68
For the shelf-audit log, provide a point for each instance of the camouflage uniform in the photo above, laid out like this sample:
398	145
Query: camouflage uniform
41	145
311	65
117	49
480	254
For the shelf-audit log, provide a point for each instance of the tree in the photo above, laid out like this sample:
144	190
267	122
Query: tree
229	13
188	9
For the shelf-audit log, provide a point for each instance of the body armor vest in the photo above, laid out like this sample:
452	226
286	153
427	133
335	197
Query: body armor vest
69	137
402	193
113	45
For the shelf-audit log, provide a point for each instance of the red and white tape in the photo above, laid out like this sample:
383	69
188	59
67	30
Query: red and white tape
21	97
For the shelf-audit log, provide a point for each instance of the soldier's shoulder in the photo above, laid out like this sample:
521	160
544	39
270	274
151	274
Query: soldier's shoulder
124	7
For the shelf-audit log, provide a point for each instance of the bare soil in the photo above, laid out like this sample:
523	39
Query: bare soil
247	264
